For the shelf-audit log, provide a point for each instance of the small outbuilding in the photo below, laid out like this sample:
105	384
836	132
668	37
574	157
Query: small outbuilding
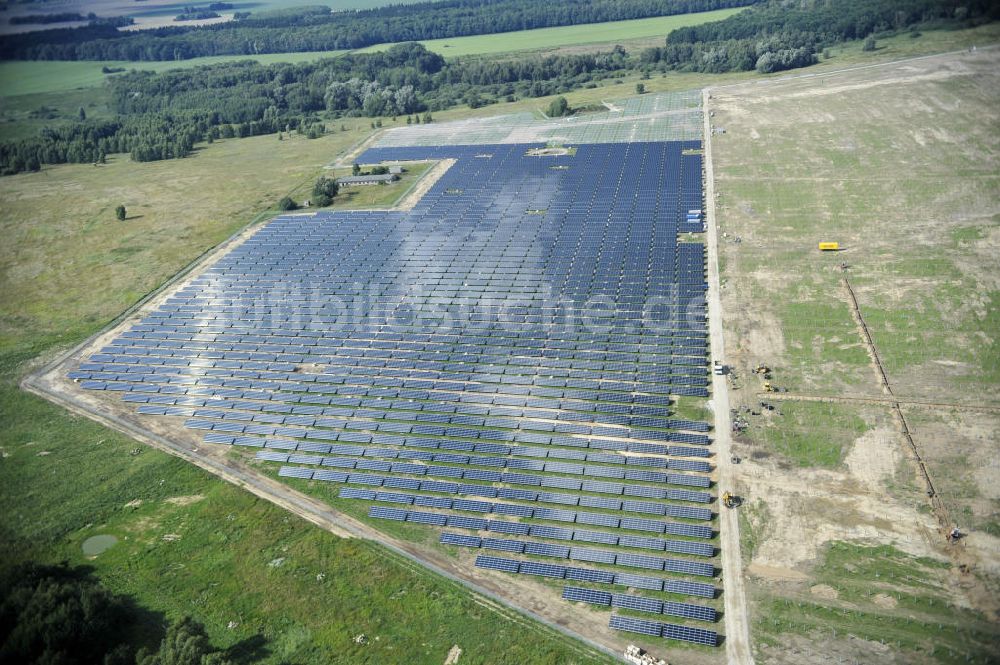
357	180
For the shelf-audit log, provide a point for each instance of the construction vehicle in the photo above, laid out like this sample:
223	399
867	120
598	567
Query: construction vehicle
768	388
829	247
634	654
718	368
762	369
730	500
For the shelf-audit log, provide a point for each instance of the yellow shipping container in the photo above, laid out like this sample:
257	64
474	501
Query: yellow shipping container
829	246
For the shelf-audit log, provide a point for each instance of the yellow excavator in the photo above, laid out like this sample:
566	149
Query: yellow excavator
730	500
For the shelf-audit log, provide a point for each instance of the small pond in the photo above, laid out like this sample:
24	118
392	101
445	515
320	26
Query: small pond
97	544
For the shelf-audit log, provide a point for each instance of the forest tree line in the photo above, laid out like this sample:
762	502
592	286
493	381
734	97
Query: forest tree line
779	35
319	29
163	115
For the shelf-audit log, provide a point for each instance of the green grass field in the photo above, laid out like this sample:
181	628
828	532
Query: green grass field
879	596
570	35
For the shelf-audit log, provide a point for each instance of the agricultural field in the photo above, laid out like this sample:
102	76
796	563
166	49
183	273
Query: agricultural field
612	32
898	163
160	13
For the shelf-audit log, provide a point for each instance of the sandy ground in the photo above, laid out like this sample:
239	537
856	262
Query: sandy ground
737	618
873	497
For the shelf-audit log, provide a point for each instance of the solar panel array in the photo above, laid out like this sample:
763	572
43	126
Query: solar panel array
501	359
651	117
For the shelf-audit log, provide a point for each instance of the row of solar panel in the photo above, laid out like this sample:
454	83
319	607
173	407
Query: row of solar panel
558	338
513	389
559	482
657	393
610	420
647	366
694	548
575	423
176	333
391	428
498	405
336	375
559	515
163	405
516	510
585	554
639	603
354	397
586	501
680	587
522	451
665	630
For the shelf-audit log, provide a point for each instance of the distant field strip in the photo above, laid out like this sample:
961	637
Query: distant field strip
39	76
662	117
570	35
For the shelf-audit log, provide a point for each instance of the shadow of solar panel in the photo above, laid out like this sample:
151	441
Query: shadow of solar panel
586	596
695	635
632	625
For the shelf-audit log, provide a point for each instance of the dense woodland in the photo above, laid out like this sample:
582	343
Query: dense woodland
317	29
163	116
785	35
61	615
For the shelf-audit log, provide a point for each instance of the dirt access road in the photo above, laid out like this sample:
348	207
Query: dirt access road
737	619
